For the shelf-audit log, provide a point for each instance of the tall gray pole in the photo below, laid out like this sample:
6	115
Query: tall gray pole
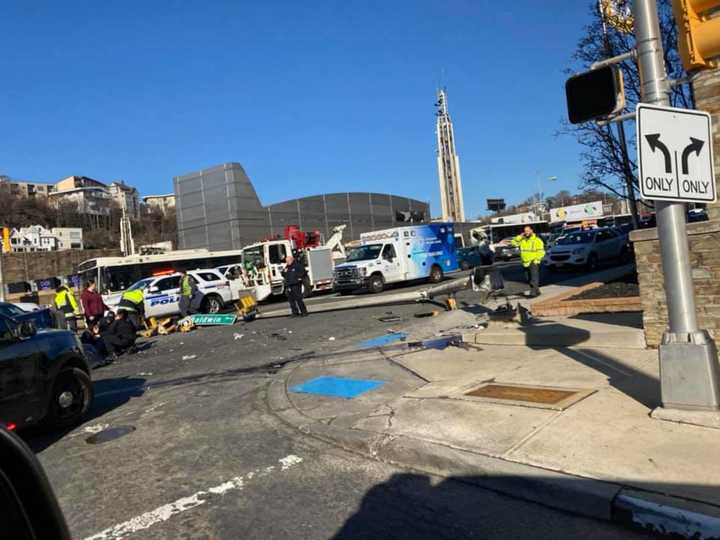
688	357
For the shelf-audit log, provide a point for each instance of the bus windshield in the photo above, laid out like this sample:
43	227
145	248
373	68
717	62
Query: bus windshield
140	285
364	253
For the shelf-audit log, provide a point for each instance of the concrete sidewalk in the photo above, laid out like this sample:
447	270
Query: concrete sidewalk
594	451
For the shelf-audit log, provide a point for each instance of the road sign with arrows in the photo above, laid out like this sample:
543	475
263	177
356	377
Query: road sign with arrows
675	154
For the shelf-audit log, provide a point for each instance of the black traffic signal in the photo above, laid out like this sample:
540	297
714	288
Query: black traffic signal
598	93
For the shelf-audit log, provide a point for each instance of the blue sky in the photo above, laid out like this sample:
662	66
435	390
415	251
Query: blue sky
309	97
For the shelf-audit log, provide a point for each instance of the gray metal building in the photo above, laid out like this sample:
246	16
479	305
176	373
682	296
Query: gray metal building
218	208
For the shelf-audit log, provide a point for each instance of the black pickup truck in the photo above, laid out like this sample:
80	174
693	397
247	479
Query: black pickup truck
44	376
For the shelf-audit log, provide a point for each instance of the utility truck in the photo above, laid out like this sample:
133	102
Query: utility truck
398	255
268	258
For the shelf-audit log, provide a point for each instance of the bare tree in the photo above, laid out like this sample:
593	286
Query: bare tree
602	154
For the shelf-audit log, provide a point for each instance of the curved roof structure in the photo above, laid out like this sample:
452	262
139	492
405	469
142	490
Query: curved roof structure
218	208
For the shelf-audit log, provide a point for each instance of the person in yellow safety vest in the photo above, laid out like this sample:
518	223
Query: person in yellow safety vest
532	251
188	291
133	302
65	302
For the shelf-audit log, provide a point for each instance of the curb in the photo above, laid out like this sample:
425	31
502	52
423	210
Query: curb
598	499
560	337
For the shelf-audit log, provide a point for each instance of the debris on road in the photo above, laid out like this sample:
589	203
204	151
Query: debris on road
237	336
189	357
95	428
389	319
433	313
277	336
331	338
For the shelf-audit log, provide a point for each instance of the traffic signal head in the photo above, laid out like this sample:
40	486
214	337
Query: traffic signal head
598	93
698	25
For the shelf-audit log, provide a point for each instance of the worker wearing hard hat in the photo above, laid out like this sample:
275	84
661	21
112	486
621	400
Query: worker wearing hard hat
66	303
532	251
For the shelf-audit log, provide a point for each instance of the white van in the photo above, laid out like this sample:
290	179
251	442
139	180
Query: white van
398	255
162	293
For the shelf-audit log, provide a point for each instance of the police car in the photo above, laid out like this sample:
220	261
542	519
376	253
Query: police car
162	293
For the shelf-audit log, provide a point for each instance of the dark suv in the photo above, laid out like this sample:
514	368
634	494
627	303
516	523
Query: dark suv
44	375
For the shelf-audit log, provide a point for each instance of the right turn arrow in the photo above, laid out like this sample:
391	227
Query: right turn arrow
694	146
655	144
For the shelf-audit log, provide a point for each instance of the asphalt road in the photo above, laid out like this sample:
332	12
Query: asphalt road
206	459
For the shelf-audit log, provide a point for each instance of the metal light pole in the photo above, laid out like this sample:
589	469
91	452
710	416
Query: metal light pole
688	356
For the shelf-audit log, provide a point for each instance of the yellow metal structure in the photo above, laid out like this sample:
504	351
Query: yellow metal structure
698	23
246	307
617	13
6	247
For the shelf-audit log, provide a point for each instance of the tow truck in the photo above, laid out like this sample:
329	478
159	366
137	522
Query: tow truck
268	258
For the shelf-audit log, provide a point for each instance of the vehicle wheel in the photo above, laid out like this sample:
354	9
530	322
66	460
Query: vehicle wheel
436	274
377	283
71	397
464	265
212	304
592	262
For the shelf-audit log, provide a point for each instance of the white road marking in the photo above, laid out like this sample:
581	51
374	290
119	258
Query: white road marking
166	511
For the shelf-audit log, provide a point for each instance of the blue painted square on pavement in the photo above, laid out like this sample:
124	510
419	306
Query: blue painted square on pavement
381	341
341	387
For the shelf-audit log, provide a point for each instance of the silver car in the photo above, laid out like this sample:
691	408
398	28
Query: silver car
588	248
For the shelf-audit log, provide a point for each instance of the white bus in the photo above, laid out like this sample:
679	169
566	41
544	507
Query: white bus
115	274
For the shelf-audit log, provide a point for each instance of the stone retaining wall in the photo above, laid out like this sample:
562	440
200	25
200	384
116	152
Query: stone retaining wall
18	267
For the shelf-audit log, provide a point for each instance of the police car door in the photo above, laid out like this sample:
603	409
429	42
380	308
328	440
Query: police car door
163	298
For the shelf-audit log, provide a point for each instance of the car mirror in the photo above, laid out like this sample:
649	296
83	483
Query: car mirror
27	329
30	508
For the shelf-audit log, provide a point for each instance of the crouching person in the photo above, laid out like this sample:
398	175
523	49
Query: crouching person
120	336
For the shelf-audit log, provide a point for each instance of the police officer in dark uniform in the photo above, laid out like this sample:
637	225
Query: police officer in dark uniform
294	275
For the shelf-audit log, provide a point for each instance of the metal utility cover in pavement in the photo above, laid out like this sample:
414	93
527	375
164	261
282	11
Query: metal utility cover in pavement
675	154
545	397
342	387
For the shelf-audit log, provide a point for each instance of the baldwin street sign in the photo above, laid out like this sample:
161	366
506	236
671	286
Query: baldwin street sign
223	319
675	154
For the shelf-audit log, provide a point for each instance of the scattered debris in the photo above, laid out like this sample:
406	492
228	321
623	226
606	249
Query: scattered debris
144	373
95	428
237	336
390	318
433	313
331	338
189	357
277	336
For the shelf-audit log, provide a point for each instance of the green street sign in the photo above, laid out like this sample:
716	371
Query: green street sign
223	319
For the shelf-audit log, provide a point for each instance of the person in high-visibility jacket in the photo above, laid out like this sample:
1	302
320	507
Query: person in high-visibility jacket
133	302
532	251
65	302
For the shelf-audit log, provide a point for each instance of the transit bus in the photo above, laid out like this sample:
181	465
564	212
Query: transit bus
115	274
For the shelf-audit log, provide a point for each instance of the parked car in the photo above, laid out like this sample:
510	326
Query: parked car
588	248
42	317
44	375
470	257
162	293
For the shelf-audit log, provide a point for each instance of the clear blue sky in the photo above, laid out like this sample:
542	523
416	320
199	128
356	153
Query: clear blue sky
309	97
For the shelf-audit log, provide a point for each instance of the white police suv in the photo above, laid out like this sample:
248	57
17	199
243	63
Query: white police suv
162	293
